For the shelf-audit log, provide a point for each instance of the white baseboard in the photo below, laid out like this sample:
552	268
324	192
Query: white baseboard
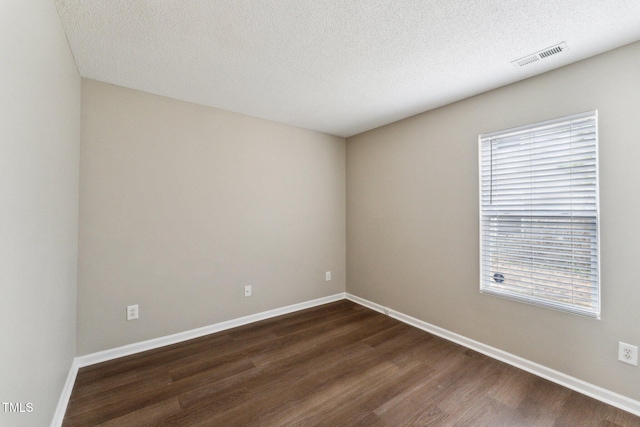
599	393
129	349
63	402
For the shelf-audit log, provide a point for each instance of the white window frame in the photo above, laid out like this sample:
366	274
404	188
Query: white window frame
540	276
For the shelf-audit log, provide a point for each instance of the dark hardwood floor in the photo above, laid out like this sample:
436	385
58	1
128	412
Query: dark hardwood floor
339	364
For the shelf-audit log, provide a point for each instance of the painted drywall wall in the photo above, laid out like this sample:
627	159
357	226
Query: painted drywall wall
181	206
39	170
413	225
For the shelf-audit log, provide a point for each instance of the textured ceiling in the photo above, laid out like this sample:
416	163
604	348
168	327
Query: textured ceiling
336	66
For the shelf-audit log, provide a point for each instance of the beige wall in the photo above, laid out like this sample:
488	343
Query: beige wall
412	219
39	160
182	205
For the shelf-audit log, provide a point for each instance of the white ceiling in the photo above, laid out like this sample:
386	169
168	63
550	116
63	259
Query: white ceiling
336	66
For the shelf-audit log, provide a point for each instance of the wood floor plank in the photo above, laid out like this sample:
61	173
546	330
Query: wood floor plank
512	387
583	410
544	401
620	418
146	416
320	313
151	359
338	364
489	412
321	401
357	406
295	386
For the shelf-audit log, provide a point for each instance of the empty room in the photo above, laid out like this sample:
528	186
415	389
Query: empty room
340	212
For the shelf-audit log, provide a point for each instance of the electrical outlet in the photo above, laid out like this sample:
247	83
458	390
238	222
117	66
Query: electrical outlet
628	353
247	291
132	312
327	276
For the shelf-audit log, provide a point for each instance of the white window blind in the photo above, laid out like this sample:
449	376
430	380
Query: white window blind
539	220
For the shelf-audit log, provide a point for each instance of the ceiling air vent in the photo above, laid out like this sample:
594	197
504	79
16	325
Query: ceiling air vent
529	59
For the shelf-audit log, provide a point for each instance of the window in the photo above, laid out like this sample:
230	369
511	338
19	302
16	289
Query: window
539	225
